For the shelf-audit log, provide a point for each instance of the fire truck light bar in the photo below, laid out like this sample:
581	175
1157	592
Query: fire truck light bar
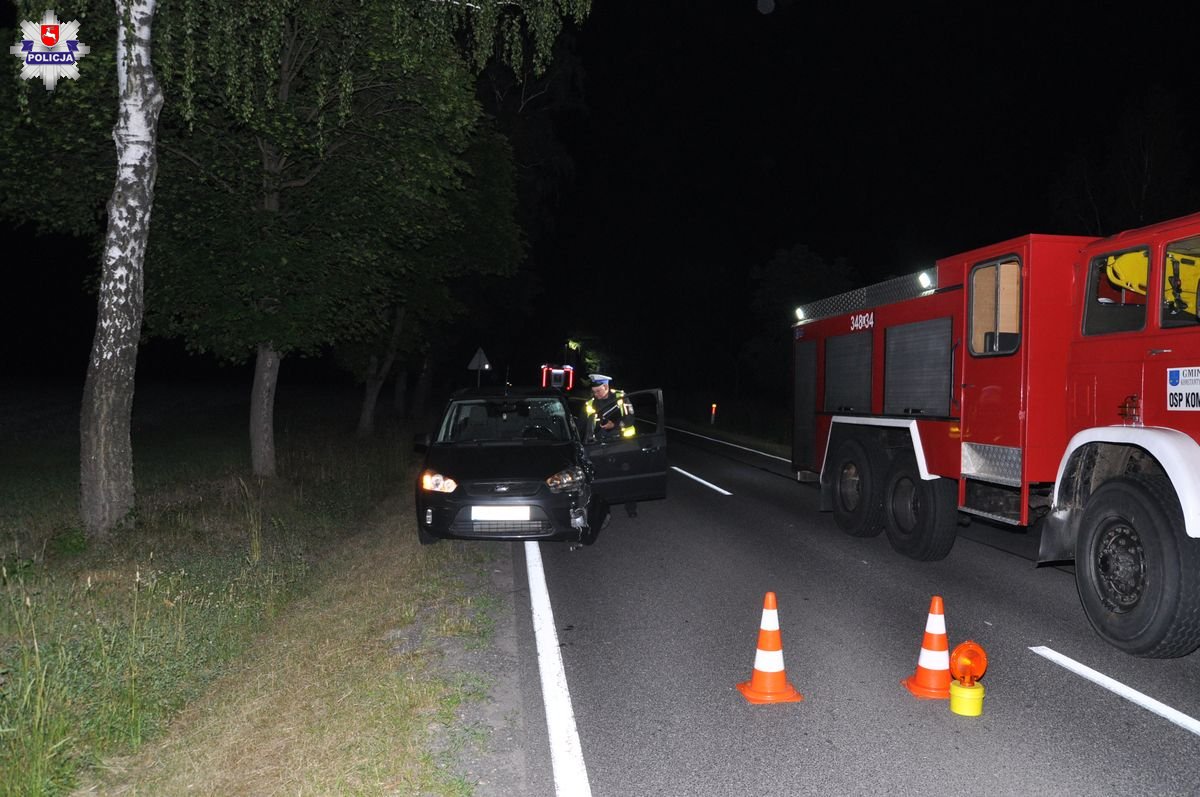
887	292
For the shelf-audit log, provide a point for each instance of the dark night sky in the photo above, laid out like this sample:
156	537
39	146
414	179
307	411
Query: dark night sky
721	133
715	135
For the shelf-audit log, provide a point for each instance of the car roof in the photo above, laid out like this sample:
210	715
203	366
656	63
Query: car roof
499	392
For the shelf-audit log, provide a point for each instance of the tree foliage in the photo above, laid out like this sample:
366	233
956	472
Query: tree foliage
59	160
477	244
297	179
790	278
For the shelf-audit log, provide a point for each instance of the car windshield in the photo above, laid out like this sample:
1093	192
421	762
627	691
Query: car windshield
504	420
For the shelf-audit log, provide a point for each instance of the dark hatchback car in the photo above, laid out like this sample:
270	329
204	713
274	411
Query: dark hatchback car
517	464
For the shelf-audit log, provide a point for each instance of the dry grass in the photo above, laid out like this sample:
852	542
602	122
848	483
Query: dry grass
244	636
341	695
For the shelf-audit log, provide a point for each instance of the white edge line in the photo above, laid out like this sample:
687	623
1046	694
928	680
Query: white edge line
566	756
732	445
709	485
1129	693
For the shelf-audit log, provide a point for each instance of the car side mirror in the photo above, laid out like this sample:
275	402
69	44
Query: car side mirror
421	443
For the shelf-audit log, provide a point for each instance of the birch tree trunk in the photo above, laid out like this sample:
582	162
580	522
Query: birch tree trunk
262	411
106	451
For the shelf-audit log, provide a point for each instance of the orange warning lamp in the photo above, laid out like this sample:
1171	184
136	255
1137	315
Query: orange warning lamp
968	663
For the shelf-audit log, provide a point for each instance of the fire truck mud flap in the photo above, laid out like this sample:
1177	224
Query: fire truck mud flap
1137	573
1057	540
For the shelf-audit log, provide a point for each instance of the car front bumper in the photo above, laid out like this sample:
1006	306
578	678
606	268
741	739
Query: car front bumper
553	516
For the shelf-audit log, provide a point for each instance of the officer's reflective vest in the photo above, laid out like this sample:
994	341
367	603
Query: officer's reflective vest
626	410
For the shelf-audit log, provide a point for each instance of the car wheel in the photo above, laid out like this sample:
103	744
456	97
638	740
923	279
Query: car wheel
921	514
857	505
1137	572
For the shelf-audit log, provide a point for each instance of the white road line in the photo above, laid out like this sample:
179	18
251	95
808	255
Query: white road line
710	485
1129	693
731	445
566	756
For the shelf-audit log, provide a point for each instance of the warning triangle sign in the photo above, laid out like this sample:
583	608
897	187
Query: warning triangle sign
479	362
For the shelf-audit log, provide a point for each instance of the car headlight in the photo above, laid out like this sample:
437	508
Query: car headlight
434	482
565	480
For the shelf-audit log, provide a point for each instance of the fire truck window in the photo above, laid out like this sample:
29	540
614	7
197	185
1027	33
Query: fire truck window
1117	292
1181	273
996	308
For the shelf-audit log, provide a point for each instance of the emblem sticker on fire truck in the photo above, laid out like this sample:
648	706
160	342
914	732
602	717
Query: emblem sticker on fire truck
1183	389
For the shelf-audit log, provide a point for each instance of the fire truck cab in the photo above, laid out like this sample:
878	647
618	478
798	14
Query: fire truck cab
1045	381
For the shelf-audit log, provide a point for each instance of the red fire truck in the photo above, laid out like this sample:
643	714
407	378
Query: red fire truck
1045	381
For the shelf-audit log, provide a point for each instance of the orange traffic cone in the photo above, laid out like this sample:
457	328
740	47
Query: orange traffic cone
768	683
932	677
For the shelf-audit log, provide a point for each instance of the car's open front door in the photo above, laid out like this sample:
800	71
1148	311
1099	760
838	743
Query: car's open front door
634	468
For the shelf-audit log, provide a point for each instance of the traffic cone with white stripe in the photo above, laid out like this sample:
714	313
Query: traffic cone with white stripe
768	683
932	677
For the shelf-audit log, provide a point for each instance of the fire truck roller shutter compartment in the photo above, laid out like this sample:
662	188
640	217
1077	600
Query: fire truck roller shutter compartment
848	373
917	369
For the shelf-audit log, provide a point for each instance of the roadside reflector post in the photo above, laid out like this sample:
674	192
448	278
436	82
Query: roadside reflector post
712	418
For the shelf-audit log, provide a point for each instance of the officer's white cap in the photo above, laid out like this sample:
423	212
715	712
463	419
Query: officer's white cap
599	379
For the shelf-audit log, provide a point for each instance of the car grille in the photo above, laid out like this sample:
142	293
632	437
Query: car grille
492	489
499	527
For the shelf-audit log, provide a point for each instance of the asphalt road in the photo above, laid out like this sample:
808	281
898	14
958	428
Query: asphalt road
659	620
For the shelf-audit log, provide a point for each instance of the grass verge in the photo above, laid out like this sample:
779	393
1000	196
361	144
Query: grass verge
239	638
346	690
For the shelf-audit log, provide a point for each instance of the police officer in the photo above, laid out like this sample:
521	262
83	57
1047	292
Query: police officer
611	416
607	410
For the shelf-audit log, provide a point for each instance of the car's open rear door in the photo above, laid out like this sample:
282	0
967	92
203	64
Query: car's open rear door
634	468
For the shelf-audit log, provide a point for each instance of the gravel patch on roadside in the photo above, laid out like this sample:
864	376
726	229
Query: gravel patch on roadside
485	747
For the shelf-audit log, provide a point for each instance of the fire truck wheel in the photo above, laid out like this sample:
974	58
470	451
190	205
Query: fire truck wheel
921	515
857	489
1137	572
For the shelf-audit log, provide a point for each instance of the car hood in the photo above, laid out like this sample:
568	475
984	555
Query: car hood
473	462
